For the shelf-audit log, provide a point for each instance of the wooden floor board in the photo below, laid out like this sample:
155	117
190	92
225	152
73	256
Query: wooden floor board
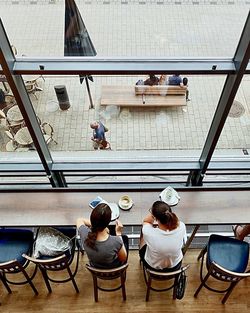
64	299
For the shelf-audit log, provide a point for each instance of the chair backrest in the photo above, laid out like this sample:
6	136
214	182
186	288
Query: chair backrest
30	86
47	129
9	134
10	100
14	49
53	264
2	114
7	107
107	274
13	266
166	275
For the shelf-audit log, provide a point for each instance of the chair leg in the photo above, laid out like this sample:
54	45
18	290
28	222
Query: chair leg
175	286
46	279
203	251
123	278
230	289
95	288
5	284
72	279
202	284
148	287
29	281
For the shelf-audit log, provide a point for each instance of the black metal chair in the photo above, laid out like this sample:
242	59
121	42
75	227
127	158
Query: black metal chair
62	262
150	275
13	244
109	274
227	260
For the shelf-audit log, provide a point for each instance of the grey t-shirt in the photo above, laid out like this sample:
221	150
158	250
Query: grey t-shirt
106	254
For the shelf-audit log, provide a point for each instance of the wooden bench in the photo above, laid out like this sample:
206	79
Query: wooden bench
143	96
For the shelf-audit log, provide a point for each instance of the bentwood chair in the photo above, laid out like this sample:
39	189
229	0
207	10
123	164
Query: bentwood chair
48	132
108	274
176	283
226	260
62	262
13	243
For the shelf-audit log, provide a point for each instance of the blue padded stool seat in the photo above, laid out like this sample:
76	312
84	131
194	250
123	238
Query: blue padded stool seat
13	243
229	253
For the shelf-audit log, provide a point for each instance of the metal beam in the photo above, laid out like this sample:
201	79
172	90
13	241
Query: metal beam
241	59
123	66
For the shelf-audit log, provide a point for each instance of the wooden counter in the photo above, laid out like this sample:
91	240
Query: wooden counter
63	207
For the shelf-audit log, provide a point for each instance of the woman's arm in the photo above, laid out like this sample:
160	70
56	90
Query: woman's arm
82	221
149	219
122	253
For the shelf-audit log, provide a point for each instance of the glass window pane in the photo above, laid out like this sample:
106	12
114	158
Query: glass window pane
147	120
29	179
151	29
235	139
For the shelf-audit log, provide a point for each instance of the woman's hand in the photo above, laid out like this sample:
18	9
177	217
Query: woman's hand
118	228
82	221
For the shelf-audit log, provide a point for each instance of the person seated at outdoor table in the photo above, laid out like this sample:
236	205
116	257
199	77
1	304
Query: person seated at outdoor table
176	80
161	244
152	80
241	231
185	83
163	80
103	249
99	139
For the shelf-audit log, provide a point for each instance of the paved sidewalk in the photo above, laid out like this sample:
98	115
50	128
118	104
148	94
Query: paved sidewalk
116	29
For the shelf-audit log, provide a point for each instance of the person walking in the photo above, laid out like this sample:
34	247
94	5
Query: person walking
99	138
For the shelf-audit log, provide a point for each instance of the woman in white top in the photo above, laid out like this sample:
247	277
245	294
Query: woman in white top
161	244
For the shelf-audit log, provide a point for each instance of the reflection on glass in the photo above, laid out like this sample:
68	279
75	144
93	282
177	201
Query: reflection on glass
76	38
235	137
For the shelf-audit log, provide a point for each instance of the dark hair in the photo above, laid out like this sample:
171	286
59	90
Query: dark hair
185	81
162	212
99	219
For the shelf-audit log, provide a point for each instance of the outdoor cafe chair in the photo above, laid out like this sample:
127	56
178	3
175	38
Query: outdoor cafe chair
226	260
11	145
32	88
48	132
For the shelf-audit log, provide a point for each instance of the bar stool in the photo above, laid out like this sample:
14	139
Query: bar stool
13	243
227	260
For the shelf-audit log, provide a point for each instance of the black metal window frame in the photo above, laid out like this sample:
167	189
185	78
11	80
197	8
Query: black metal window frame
234	69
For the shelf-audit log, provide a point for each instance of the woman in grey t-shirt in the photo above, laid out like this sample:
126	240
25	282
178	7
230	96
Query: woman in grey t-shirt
103	249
